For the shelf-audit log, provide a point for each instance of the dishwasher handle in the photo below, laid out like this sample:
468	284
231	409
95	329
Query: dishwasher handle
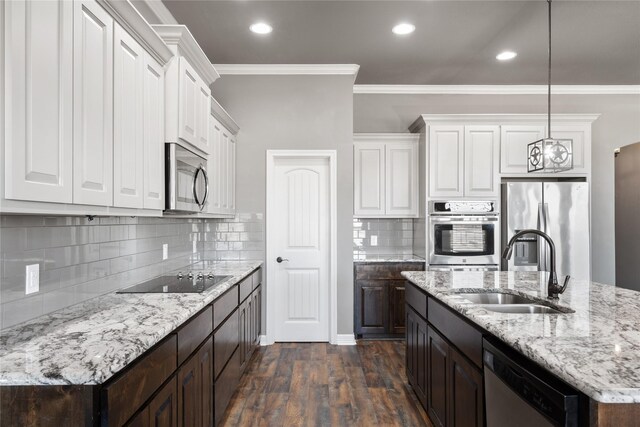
555	401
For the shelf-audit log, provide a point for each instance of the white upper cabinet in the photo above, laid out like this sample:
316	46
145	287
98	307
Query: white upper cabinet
369	178
513	146
38	100
93	105
481	159
153	134
187	80
581	136
385	175
446	159
128	121
401	196
221	164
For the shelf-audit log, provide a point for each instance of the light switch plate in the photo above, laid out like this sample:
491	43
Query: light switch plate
165	251
32	279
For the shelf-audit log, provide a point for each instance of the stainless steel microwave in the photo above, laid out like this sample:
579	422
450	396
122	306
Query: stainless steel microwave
187	182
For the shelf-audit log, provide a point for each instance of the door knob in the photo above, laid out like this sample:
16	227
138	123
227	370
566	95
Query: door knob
280	259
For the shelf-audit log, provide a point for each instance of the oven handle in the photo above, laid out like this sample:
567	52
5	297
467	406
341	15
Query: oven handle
473	220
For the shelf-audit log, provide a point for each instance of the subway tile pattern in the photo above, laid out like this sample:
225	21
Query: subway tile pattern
234	239
80	259
382	237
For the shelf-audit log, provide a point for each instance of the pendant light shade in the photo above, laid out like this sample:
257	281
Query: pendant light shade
549	154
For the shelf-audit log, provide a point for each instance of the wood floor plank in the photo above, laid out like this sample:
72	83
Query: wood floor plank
317	384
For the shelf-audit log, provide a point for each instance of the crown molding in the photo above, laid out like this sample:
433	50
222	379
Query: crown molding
428	119
134	23
496	89
159	11
288	69
223	117
182	41
366	137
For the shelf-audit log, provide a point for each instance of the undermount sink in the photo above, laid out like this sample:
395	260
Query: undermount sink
501	302
521	309
495	298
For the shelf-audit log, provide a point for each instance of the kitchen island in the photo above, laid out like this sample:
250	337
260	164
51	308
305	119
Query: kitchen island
98	362
593	345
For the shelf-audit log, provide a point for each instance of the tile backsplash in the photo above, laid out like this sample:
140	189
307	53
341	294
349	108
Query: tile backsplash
236	238
80	259
382	236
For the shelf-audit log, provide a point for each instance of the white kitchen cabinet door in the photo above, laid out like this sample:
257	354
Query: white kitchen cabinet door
153	134
214	204
369	179
93	105
232	175
38	100
481	152
401	177
128	121
446	161
581	136
189	110
202	117
513	146
224	170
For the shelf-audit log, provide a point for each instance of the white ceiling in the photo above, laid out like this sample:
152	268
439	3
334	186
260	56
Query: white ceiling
594	42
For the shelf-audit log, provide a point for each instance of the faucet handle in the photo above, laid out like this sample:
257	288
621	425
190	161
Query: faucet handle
564	285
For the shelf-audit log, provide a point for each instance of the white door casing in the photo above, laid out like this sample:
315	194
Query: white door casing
301	214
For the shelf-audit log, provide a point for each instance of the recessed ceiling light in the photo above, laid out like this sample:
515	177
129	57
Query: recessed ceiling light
506	55
404	28
261	28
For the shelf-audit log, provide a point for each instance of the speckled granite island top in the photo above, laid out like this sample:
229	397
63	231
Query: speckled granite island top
596	349
88	343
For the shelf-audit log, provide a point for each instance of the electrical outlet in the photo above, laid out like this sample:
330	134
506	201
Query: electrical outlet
165	251
374	240
32	279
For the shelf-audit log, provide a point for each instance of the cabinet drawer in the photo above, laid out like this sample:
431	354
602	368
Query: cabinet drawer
225	341
386	270
257	278
191	335
467	338
224	306
416	299
226	386
246	286
122	398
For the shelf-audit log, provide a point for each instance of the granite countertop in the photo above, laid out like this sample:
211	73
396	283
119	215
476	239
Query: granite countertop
596	349
386	258
88	343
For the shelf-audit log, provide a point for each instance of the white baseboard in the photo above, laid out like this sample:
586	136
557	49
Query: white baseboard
345	339
263	340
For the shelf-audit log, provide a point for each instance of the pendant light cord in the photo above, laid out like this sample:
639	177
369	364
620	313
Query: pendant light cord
549	79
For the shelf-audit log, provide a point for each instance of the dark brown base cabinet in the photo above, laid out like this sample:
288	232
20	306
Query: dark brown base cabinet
186	380
446	381
380	298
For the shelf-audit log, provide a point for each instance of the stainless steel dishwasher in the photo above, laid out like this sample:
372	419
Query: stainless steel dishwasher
520	393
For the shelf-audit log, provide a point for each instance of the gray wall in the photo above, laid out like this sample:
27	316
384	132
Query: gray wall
296	112
618	125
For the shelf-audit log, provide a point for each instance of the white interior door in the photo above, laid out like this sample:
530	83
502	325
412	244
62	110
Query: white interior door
301	237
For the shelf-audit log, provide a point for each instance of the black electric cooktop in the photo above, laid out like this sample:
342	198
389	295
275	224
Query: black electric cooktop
187	283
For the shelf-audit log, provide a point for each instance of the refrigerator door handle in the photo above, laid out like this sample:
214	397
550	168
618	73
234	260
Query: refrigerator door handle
542	259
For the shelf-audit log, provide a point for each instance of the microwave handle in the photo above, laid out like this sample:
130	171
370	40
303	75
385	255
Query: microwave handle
202	203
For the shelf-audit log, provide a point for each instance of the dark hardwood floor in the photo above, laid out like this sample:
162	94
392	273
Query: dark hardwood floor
302	384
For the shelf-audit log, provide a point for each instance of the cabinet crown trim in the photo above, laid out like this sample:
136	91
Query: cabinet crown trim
135	24
223	117
179	36
385	137
428	119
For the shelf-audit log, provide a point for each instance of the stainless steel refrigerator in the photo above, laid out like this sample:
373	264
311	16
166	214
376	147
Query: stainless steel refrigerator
627	164
560	209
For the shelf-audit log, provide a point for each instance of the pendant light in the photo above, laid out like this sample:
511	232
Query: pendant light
549	154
